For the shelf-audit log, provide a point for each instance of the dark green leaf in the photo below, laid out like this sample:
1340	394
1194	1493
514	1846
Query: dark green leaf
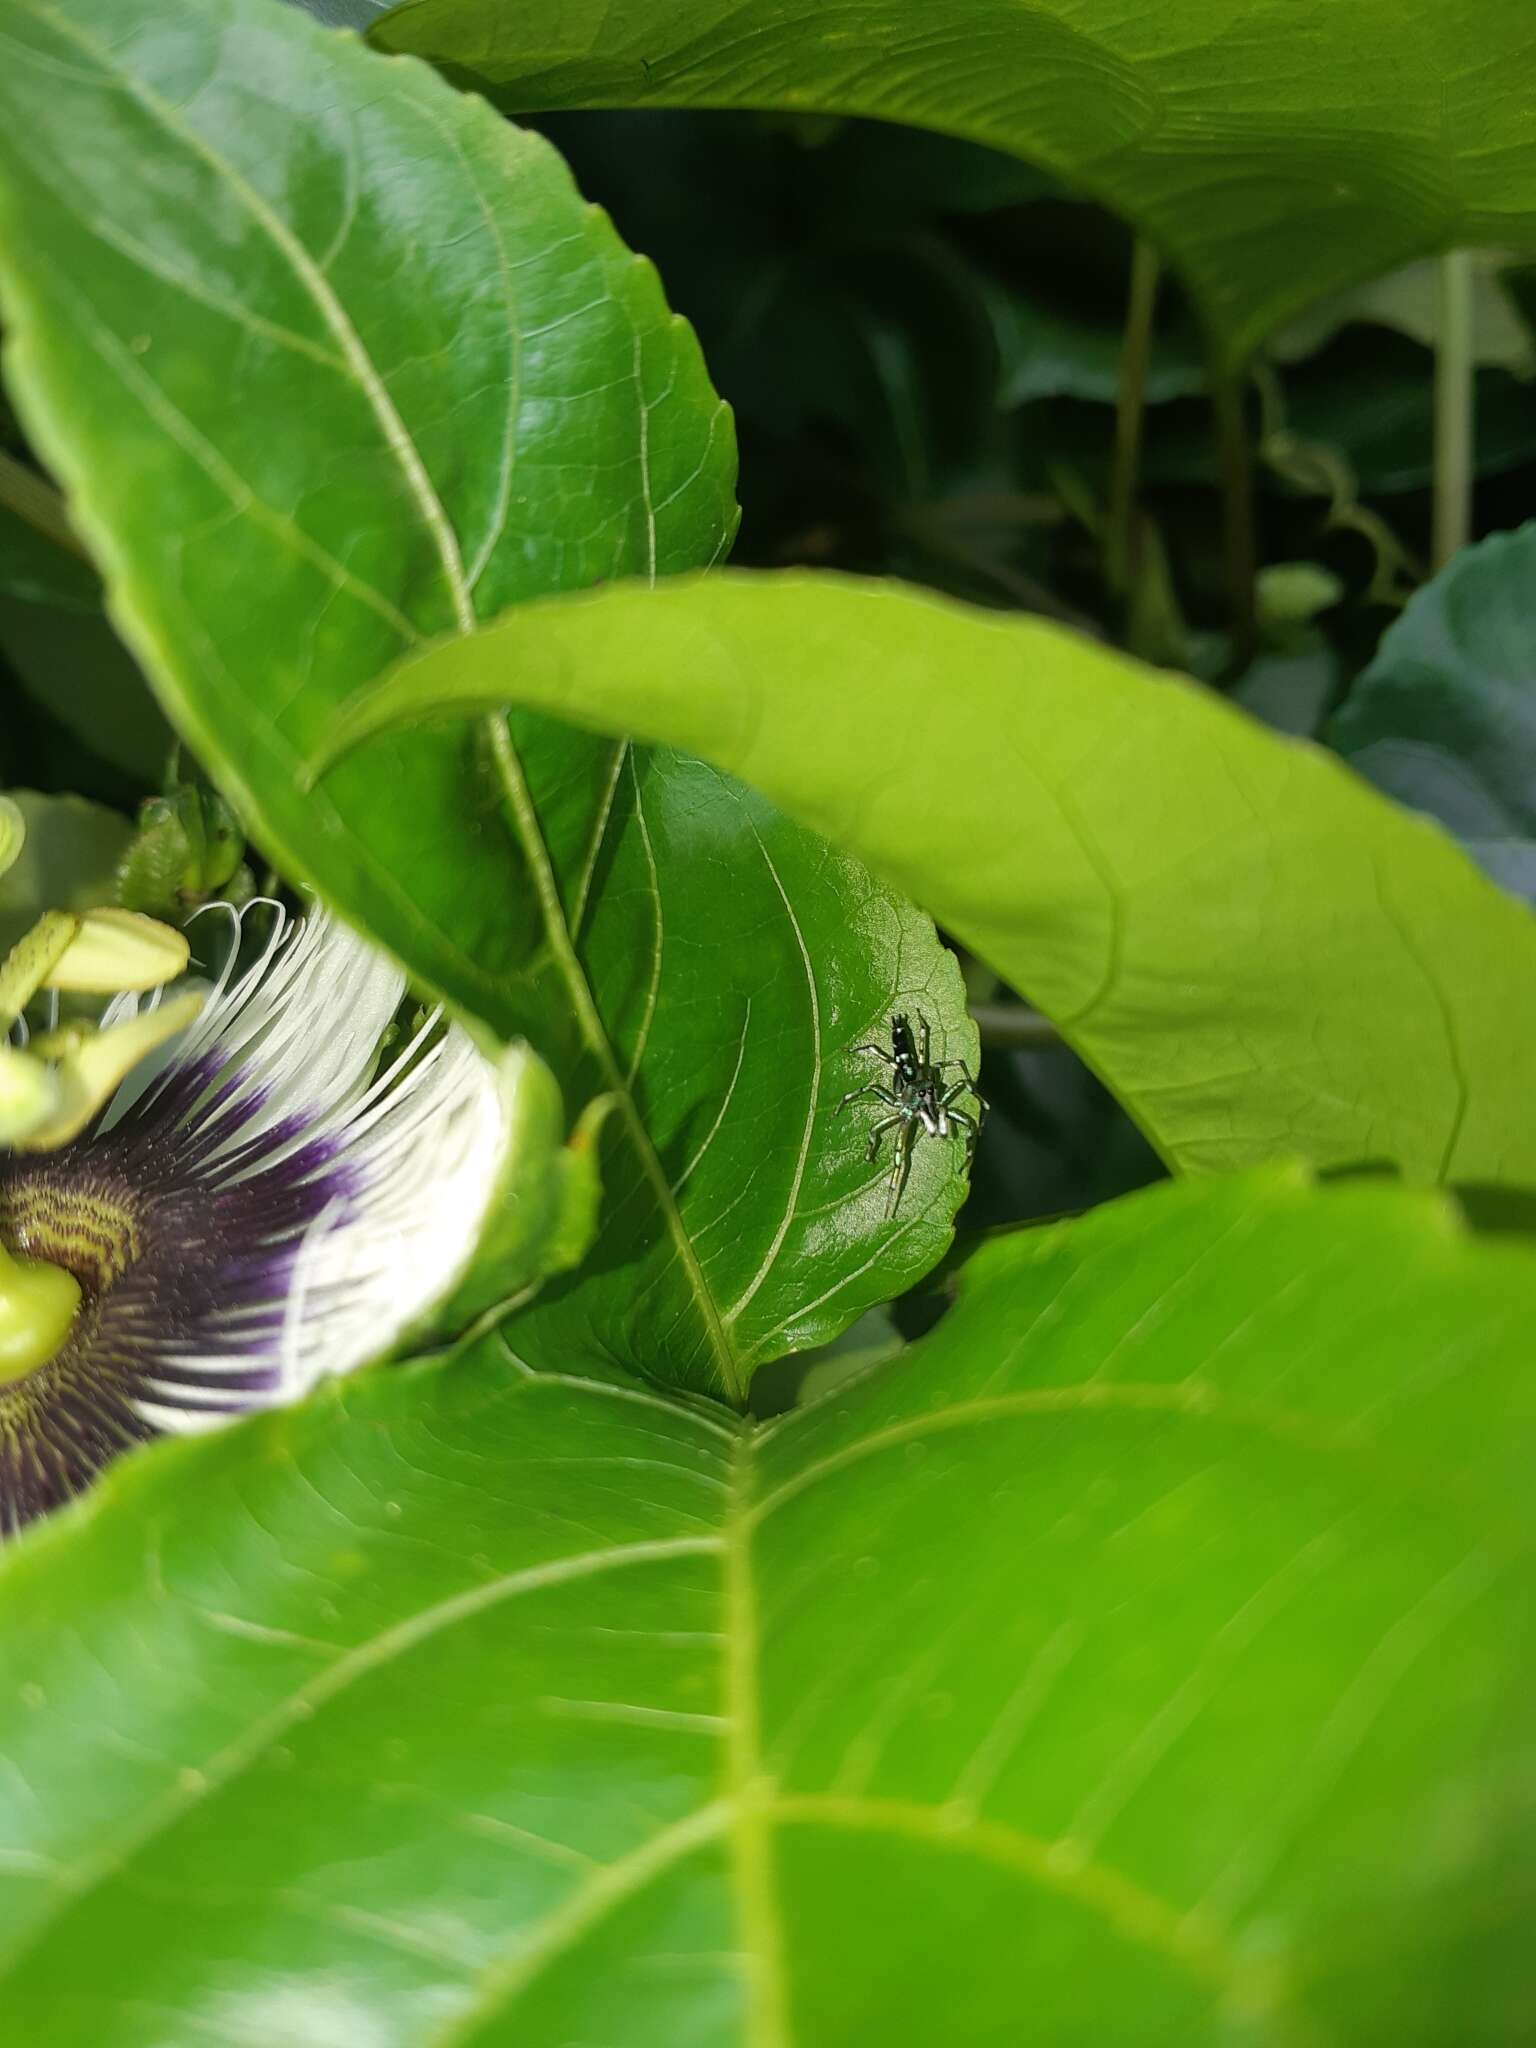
1291	687
1048	353
74	666
1444	719
1370	396
1256	952
1274	156
1147	1652
36	570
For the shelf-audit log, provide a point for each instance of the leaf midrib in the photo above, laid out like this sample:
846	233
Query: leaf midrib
595	1036
316	286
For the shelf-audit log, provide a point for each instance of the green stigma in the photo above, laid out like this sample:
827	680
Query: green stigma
38	1303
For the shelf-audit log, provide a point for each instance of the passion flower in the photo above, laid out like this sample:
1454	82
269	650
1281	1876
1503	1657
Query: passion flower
265	1201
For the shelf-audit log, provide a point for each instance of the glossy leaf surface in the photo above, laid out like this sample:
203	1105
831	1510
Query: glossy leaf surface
456	391
474	1707
734	961
1274	155
1256	952
1444	719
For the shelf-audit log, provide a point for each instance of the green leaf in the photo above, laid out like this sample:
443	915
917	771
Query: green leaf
1272	157
1291	686
1143	1651
1370	396
1254	951
269	546
71	663
38	571
54	637
454	393
1051	352
735	961
1444	719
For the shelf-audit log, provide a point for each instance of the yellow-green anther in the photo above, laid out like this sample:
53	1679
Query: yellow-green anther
60	1043
38	1303
31	960
13	830
115	950
89	1075
30	1094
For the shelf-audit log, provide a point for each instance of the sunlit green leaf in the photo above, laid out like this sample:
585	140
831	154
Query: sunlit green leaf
1257	953
1274	156
1147	1651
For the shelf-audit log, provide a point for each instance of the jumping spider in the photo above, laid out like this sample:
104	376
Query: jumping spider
919	1101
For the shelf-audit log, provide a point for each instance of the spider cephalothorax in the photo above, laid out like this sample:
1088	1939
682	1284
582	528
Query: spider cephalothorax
921	1103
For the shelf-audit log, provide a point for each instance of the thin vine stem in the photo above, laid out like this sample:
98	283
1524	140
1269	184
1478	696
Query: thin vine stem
1013	1027
1228	386
1454	392
35	500
1130	408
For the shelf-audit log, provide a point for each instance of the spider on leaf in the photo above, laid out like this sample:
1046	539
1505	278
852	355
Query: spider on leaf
920	1101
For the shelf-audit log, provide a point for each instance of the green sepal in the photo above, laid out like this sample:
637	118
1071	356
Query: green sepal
542	1213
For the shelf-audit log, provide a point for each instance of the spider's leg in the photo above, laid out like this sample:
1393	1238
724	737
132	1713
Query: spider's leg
970	1078
971	1128
953	1093
896	1186
927	1040
879	1052
982	1104
870	1088
877	1131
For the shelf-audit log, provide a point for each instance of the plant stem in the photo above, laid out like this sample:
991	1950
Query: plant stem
1453	407
1130	407
1227	388
1012	1026
34	499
